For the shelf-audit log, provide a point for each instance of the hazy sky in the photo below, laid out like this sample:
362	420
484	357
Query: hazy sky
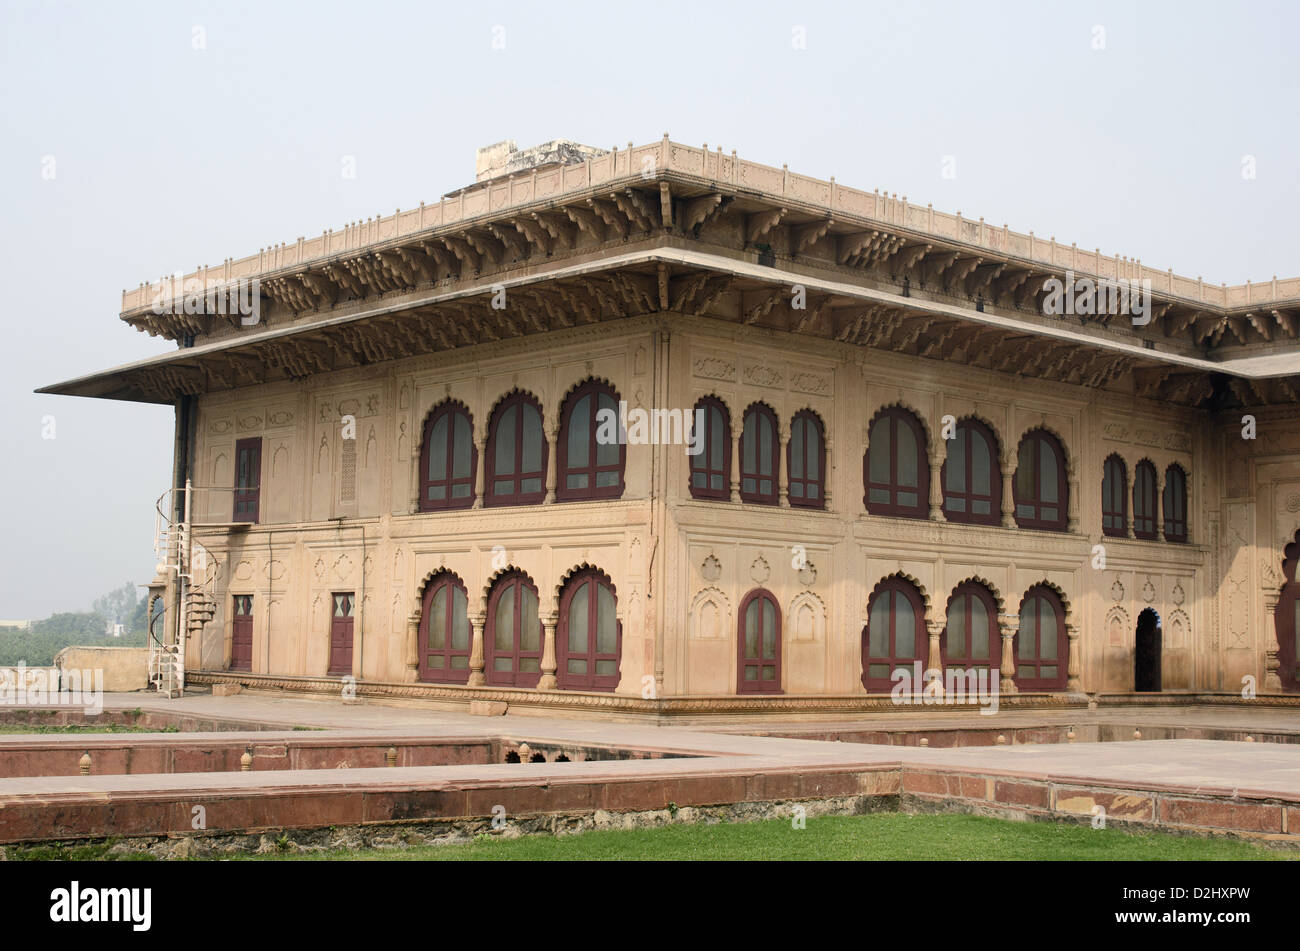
167	156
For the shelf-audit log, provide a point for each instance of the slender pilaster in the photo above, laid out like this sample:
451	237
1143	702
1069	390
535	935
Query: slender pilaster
1272	663
552	463
782	463
1074	669
548	681
1159	512
826	474
412	658
936	489
736	426
1009	625
1008	496
480	472
935	660
1072	509
476	677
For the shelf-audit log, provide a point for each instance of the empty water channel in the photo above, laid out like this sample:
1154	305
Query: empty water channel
195	745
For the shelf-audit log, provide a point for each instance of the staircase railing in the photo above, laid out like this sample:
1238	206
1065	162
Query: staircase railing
195	569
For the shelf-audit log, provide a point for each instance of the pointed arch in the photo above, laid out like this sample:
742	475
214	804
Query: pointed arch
443	644
1114	496
758	644
805	463
589	466
971	475
700	604
448	457
1041	645
710	468
896	466
589	633
894	636
1146	496
760	448
1176	516
517	451
1041	487
806	606
971	638
512	634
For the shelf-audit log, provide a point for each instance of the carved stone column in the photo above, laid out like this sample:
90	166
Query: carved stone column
1074	668
826	475
936	489
1159	513
411	659
1009	625
1272	663
783	484
1128	515
1008	494
935	661
552	463
548	681
480	471
1072	486
736	427
476	677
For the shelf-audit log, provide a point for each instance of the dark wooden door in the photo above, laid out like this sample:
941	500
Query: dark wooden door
241	633
248	479
341	634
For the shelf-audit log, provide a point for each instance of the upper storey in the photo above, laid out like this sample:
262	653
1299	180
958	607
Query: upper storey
581	237
868	230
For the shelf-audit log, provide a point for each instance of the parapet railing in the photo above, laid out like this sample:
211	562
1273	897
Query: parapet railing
647	161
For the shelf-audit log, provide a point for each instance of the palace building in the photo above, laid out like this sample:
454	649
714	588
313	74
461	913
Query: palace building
662	431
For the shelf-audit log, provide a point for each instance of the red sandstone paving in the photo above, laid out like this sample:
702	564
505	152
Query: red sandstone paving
1207	766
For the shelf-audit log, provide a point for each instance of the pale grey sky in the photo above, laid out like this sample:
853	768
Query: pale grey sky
167	157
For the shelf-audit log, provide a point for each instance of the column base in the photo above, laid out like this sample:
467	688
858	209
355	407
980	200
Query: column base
548	682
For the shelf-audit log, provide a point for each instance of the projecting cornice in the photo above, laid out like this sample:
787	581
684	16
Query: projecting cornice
673	277
667	187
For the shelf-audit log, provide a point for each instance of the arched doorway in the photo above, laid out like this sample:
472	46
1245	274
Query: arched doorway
1146	654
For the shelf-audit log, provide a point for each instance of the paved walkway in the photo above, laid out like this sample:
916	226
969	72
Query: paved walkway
1216	765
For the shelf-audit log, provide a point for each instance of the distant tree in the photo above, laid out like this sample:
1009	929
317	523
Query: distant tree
118	605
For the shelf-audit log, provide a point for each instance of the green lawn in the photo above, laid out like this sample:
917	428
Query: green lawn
896	836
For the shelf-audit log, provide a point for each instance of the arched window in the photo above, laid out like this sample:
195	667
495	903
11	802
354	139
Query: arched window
1114	497
444	631
1041	645
1175	503
758	456
512	639
758	644
806	461
1041	492
516	453
711	466
971	639
896	471
447	459
1287	620
589	642
592	451
894	636
1144	500
972	482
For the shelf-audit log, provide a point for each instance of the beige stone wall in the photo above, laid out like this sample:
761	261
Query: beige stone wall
682	568
125	668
